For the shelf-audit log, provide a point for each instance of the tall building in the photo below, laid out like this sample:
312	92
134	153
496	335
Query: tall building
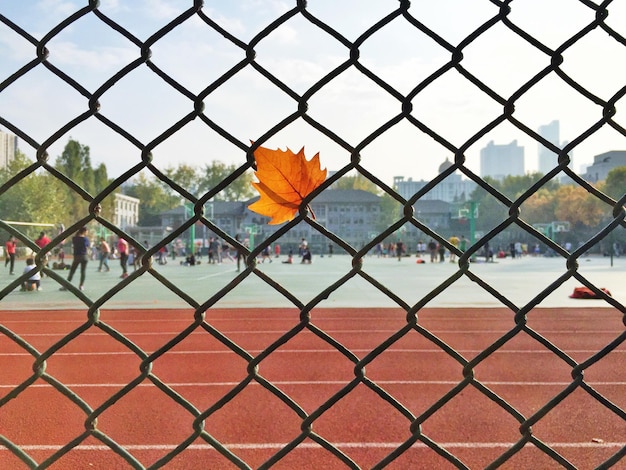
8	147
547	158
499	161
452	189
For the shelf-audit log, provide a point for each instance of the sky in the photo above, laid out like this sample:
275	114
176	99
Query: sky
299	53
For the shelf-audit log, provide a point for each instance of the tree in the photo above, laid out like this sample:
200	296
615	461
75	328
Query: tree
36	198
615	183
390	212
214	173
155	198
492	211
184	176
514	186
357	181
539	208
577	206
75	163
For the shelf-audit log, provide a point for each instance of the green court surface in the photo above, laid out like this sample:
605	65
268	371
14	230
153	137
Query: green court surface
519	280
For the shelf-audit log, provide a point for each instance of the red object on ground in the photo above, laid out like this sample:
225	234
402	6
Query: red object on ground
586	293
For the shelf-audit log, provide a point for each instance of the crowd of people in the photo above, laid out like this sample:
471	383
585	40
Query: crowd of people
84	248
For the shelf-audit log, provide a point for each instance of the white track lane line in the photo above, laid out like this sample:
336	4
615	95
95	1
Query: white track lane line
313	445
324	382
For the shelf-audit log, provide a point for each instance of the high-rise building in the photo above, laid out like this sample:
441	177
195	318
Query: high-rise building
8	147
499	161
547	158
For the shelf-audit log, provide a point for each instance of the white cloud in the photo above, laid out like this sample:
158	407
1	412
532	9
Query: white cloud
299	54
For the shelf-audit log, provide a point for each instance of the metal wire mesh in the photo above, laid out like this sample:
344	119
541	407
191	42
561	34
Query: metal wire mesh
404	103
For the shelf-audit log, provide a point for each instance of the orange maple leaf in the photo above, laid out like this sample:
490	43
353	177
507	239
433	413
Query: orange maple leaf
285	179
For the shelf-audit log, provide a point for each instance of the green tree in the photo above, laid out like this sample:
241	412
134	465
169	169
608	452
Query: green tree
155	198
36	198
357	181
390	212
184	176
239	190
615	183
75	163
491	211
514	186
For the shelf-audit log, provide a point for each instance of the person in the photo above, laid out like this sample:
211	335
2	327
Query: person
105	252
240	252
289	259
10	247
303	245
42	241
454	241
265	254
34	281
442	252
276	250
162	257
330	250
122	249
306	255
80	247
432	247
399	250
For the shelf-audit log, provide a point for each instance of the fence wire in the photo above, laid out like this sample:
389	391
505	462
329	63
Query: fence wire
600	13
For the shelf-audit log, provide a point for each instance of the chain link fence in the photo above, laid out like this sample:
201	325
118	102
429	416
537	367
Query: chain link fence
598	13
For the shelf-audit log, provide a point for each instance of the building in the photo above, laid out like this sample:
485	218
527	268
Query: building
603	163
452	189
547	158
8	147
353	215
125	211
499	161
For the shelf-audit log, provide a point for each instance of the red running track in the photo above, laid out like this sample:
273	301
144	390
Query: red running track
256	424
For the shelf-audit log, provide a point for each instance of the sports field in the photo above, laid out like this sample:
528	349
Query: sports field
251	383
519	280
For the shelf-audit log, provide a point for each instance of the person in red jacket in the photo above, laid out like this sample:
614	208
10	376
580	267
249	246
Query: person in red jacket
10	247
42	242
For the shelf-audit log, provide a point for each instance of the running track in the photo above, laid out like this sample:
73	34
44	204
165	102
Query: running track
256	424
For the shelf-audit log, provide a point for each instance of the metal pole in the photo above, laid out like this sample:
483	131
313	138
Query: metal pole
472	221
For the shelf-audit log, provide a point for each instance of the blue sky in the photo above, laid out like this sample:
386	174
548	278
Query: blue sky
299	53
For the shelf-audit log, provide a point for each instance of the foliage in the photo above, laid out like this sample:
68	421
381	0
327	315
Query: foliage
36	198
75	163
615	184
214	173
577	206
285	179
357	181
155	198
540	207
390	212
